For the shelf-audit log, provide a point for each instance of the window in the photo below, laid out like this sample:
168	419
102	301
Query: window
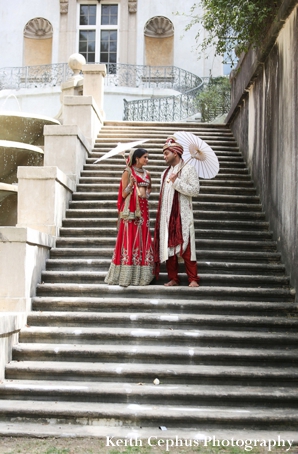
98	34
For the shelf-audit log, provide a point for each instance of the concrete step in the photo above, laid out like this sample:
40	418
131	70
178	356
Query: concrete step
85	264
212	224
157	355
225	353
72	247
209	186
146	373
105	182
110	206
108	228
229	198
157	291
156	155
163	321
198	206
191	395
92	192
201	244
223	280
163	305
155	158
148	415
161	336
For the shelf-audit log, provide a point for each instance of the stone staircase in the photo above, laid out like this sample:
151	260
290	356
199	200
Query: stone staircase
226	354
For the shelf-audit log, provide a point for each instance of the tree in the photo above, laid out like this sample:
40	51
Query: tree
233	23
214	100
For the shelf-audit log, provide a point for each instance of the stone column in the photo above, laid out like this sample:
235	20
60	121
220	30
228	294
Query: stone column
94	84
44	195
66	147
23	254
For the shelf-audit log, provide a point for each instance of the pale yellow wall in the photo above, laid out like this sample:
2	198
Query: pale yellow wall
37	51
159	51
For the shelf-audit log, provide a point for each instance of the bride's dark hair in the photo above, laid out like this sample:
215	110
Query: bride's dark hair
138	154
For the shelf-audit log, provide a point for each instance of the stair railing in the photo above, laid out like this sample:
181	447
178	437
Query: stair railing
164	109
122	75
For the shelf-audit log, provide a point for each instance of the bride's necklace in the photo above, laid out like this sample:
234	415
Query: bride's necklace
139	170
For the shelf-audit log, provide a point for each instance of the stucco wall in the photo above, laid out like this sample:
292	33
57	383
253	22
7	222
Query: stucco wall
264	120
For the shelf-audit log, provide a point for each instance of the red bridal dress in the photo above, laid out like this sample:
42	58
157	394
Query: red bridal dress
132	262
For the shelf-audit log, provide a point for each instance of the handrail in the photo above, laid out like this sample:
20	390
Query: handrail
118	74
39	76
164	109
168	108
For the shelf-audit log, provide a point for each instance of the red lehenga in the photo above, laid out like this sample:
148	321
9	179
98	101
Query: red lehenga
132	262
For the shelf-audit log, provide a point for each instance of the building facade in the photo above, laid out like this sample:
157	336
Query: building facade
138	32
129	32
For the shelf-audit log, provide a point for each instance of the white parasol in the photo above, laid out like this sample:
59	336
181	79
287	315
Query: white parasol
198	153
120	149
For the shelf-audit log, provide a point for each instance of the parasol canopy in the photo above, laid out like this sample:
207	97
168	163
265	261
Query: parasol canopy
199	154
121	148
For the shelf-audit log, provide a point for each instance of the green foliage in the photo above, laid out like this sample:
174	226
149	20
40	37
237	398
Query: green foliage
215	99
232	23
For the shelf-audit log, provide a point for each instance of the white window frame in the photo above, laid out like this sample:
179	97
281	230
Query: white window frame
98	27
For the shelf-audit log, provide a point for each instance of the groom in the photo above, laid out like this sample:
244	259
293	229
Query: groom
174	236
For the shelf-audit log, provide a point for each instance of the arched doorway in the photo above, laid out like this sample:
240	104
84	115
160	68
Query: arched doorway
159	42
38	37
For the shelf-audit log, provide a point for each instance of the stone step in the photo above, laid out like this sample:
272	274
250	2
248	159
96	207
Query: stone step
102	264
157	165
147	393
201	244
223	181
158	291
157	156
162	321
82	205
201	224
165	337
129	135
146	373
172	417
156	159
223	153
206	215
206	279
109	228
158	142
91	192
207	356
100	179
163	305
166	126
108	208
197	206
89	248
104	176
161	133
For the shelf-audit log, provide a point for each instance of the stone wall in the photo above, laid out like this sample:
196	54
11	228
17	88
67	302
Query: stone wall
264	117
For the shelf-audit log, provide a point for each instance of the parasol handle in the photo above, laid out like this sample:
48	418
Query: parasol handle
138	190
186	162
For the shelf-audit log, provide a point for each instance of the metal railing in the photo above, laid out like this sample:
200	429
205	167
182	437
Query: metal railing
209	100
164	109
168	108
120	75
141	76
40	76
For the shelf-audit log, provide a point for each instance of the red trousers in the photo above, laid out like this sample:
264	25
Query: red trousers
190	267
